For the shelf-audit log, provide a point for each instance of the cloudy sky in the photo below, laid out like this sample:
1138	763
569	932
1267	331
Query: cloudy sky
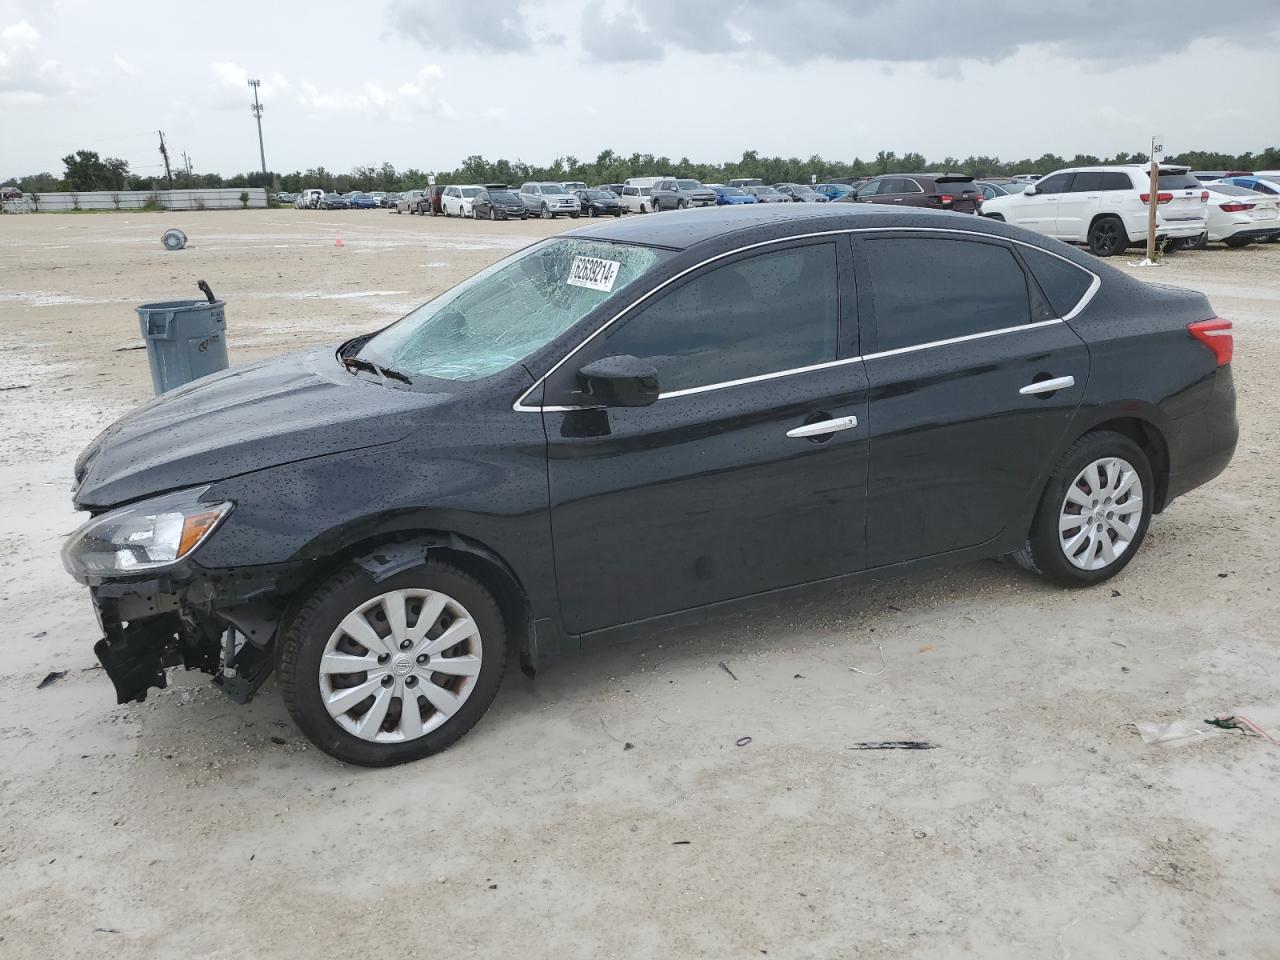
424	83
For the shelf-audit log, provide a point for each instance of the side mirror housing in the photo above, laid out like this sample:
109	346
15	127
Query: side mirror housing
1030	191
620	381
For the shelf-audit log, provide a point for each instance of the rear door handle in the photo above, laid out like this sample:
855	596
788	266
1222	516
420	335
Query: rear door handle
1048	386
823	427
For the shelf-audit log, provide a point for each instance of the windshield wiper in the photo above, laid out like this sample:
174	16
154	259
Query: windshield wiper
360	363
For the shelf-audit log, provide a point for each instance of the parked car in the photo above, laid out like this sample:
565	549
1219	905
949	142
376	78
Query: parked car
990	189
333	201
800	193
743	182
388	521
363	201
549	200
431	202
391	200
1106	206
573	186
599	203
833	191
380	196
636	199
672	193
765	194
498	203
281	197
456	200
614	188
309	199
940	191
408	202
1204	176
731	196
1256	183
1237	216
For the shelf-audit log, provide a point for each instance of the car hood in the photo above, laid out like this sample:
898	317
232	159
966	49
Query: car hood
249	418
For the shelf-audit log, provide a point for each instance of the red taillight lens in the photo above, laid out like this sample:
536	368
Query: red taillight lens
1215	334
1235	207
946	199
1160	197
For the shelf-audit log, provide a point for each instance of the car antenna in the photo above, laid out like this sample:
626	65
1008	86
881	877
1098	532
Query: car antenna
204	288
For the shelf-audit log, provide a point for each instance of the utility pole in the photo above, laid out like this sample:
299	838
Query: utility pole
164	152
257	112
1153	199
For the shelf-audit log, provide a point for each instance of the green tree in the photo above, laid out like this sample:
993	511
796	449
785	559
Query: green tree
85	170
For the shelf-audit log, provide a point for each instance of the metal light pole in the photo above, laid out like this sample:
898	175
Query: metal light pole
257	112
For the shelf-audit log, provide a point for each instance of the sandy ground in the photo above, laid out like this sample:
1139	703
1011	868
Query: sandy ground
1041	826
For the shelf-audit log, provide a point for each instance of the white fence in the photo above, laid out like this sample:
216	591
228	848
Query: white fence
227	198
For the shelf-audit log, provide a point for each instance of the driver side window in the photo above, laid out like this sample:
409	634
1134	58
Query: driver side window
1055	184
759	315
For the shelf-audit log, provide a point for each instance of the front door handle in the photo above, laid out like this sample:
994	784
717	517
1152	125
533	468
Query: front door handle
822	427
1048	386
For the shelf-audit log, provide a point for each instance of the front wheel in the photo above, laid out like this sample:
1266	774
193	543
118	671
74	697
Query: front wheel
574	215
546	213
492	214
1107	237
1094	512
379	673
681	205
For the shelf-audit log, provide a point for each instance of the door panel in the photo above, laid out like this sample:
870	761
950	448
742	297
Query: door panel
1039	211
957	449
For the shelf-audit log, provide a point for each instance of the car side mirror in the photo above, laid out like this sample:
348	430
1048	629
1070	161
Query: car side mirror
1030	191
620	381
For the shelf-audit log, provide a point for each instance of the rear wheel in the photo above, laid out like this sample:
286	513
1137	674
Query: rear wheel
379	673
1107	237
681	204
1235	243
1094	512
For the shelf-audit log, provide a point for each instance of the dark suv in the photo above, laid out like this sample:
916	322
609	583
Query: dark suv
941	191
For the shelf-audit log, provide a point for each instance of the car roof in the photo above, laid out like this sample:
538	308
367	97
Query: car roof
776	220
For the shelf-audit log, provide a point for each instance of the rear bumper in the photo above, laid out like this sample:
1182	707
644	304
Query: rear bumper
1166	229
1202	444
1247	231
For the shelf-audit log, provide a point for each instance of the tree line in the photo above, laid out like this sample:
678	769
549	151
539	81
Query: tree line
85	170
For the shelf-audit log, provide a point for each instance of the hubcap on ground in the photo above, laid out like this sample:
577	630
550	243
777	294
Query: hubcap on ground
1101	513
400	665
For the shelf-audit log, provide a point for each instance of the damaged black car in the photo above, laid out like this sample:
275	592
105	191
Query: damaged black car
635	426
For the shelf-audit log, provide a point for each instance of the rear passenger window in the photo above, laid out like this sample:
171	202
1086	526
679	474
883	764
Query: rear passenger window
1116	181
764	314
1063	283
928	289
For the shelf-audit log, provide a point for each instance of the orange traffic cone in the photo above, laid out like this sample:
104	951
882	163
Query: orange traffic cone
338	242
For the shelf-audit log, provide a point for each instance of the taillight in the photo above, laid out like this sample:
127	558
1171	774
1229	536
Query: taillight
1160	197
1215	334
1234	207
946	199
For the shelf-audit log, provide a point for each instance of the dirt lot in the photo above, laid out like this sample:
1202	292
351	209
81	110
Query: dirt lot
1040	827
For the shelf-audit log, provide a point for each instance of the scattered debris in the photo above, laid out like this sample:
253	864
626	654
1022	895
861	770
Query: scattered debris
51	678
1173	733
281	741
628	745
18	386
1244	725
493	886
1222	576
1115	593
37	636
798	676
725	667
895	609
920	834
894	745
173	239
251	856
105	930
743	741
875	673
1119	644
681	843
140	346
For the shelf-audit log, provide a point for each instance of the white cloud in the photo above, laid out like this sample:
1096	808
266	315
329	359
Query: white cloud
125	66
230	87
418	95
25	77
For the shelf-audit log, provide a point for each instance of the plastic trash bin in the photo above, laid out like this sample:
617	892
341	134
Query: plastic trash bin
185	339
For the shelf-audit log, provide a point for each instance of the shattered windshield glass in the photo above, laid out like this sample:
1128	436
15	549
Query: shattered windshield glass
503	314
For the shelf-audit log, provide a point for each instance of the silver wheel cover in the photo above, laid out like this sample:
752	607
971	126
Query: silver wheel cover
400	665
1100	514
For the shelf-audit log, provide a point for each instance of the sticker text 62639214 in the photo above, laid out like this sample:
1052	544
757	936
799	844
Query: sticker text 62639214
593	272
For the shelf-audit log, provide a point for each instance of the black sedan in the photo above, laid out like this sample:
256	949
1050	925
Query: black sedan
494	204
610	432
599	203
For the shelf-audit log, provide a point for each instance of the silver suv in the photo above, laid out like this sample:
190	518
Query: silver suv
673	194
549	200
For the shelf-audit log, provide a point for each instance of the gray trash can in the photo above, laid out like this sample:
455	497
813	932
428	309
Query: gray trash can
185	339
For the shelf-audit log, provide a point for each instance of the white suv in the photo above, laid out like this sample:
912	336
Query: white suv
1106	207
456	201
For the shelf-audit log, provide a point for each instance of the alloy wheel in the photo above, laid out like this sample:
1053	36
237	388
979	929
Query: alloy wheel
1101	513
400	665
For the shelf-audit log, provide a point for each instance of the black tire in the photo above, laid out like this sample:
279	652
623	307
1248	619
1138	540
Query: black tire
617	213
1235	243
492	214
994	216
591	212
1107	237
1198	242
681	205
303	642
643	209
546	213
574	215
1043	552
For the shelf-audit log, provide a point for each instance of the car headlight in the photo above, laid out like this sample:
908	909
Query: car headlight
145	536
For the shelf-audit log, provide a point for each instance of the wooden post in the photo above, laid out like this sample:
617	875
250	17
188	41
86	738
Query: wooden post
1151	210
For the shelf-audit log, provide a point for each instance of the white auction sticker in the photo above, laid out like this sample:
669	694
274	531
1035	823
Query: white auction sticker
593	272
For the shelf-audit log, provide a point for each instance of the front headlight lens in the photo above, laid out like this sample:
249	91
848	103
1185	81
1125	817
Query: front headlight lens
145	536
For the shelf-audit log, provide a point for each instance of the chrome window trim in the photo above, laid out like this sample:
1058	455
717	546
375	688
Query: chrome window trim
915	183
521	407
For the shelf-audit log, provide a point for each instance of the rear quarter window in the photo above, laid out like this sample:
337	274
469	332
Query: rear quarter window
1063	283
927	289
